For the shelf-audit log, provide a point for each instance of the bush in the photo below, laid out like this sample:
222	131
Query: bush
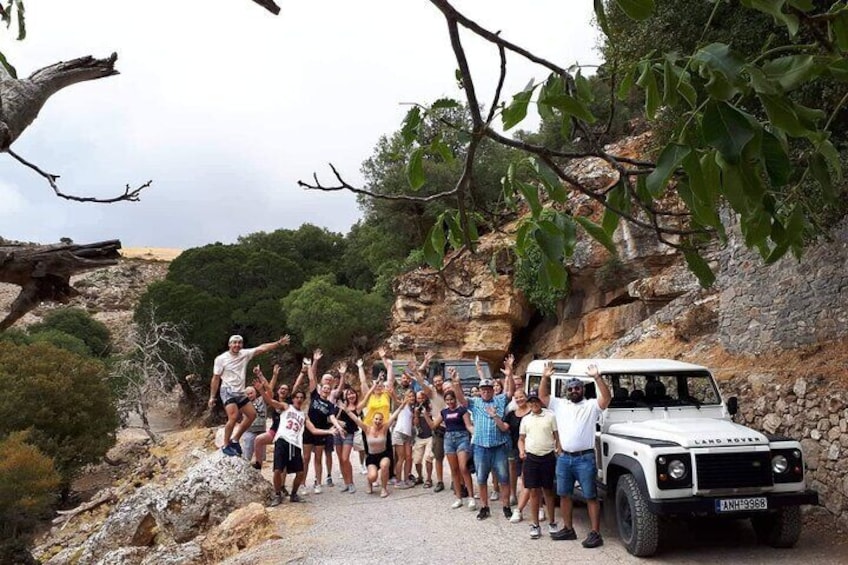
28	485
542	296
63	399
62	340
331	316
78	323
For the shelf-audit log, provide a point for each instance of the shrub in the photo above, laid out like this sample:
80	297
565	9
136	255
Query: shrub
78	323
28	485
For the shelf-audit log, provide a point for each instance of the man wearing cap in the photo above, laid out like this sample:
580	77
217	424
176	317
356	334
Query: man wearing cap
537	448
491	441
228	372
576	417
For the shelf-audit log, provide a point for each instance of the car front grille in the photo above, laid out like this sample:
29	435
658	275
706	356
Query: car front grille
733	470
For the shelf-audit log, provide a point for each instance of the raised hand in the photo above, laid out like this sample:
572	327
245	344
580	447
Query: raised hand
343	368
276	370
508	363
548	371
359	363
592	371
317	355
429	356
453	375
382	352
284	340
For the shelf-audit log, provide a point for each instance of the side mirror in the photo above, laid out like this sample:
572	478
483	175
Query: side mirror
732	405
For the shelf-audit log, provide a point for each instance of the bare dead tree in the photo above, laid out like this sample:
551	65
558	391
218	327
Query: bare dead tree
146	374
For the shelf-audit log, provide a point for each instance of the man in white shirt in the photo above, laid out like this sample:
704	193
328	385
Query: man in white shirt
576	418
228	372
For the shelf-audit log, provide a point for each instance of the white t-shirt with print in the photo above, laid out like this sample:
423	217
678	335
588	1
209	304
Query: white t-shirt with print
292	422
576	422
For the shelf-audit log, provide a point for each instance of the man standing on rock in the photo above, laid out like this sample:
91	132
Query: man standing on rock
576	418
229	373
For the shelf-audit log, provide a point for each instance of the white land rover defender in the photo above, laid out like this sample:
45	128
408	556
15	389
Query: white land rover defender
667	447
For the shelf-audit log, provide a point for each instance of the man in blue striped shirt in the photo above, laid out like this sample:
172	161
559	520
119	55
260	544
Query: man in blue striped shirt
491	439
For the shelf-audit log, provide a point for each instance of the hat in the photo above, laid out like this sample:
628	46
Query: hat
574	381
533	395
235	338
486	382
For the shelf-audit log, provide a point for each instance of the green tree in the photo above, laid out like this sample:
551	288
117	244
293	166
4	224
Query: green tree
61	340
63	399
80	324
334	317
28	485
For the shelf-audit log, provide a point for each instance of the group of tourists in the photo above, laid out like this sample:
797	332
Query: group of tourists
402	424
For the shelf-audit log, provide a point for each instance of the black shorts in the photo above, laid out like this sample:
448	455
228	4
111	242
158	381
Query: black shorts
240	401
375	459
540	472
287	457
329	442
310	439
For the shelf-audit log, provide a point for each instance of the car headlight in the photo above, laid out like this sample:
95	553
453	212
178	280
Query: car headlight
779	464
676	469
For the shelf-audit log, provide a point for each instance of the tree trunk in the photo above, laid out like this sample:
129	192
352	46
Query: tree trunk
43	271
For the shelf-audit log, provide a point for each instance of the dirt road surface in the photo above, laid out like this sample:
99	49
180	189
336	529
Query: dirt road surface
417	526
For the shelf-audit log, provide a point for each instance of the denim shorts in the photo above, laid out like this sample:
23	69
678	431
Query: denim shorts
347	439
456	442
494	460
580	468
232	396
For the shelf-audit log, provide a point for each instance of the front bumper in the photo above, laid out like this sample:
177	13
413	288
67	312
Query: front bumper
707	504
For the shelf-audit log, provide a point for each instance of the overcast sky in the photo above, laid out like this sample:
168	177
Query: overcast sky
225	106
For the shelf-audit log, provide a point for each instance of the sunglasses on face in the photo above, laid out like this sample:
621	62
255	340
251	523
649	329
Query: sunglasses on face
573	388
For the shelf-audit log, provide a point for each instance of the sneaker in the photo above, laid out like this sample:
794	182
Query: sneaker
411	479
256	465
553	528
363	471
329	481
316	489
403	485
344	488
419	481
229	450
535	531
477	495
495	495
473	505
284	491
484	513
564	534
351	488
507	512
594	539
516	516
237	447
295	498
393	482
457	503
541	515
277	500
440	486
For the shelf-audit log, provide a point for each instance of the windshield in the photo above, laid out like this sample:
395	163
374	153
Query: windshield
691	388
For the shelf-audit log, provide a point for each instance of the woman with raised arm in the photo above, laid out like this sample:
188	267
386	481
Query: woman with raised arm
458	430
283	394
376	438
344	442
322	415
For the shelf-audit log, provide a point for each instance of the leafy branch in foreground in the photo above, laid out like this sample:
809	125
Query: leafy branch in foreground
740	138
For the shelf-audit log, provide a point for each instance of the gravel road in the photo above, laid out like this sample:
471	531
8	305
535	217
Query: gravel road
417	526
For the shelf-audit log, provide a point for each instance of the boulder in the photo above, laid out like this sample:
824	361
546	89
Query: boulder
243	528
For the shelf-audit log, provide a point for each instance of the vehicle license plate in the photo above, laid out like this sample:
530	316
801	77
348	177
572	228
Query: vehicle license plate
741	504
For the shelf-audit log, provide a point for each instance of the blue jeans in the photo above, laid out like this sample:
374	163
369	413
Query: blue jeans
456	442
580	468
492	459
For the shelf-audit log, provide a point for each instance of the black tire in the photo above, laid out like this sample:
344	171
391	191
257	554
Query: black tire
779	529
637	526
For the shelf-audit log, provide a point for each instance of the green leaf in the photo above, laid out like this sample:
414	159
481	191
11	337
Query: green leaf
454	230
550	180
626	84
776	160
760	83
517	110
437	236
556	273
700	267
636	9
601	16
792	71
550	240
443	103
839	27
415	169
670	94
648	82
584	89
411	122
781	115
775	9
818	167
439	147
8	66
531	195
702	185
727	129
597	233
732	185
616	198
433	256
718	63
21	21
572	106
831	155
669	160
473	234
839	69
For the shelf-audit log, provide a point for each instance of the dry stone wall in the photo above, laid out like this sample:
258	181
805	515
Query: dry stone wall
810	409
785	305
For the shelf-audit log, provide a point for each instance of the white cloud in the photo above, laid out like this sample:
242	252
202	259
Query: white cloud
225	106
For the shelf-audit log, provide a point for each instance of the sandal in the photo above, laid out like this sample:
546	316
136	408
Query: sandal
384	494
428	483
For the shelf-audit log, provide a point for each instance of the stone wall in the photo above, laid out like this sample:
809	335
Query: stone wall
811	410
785	305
